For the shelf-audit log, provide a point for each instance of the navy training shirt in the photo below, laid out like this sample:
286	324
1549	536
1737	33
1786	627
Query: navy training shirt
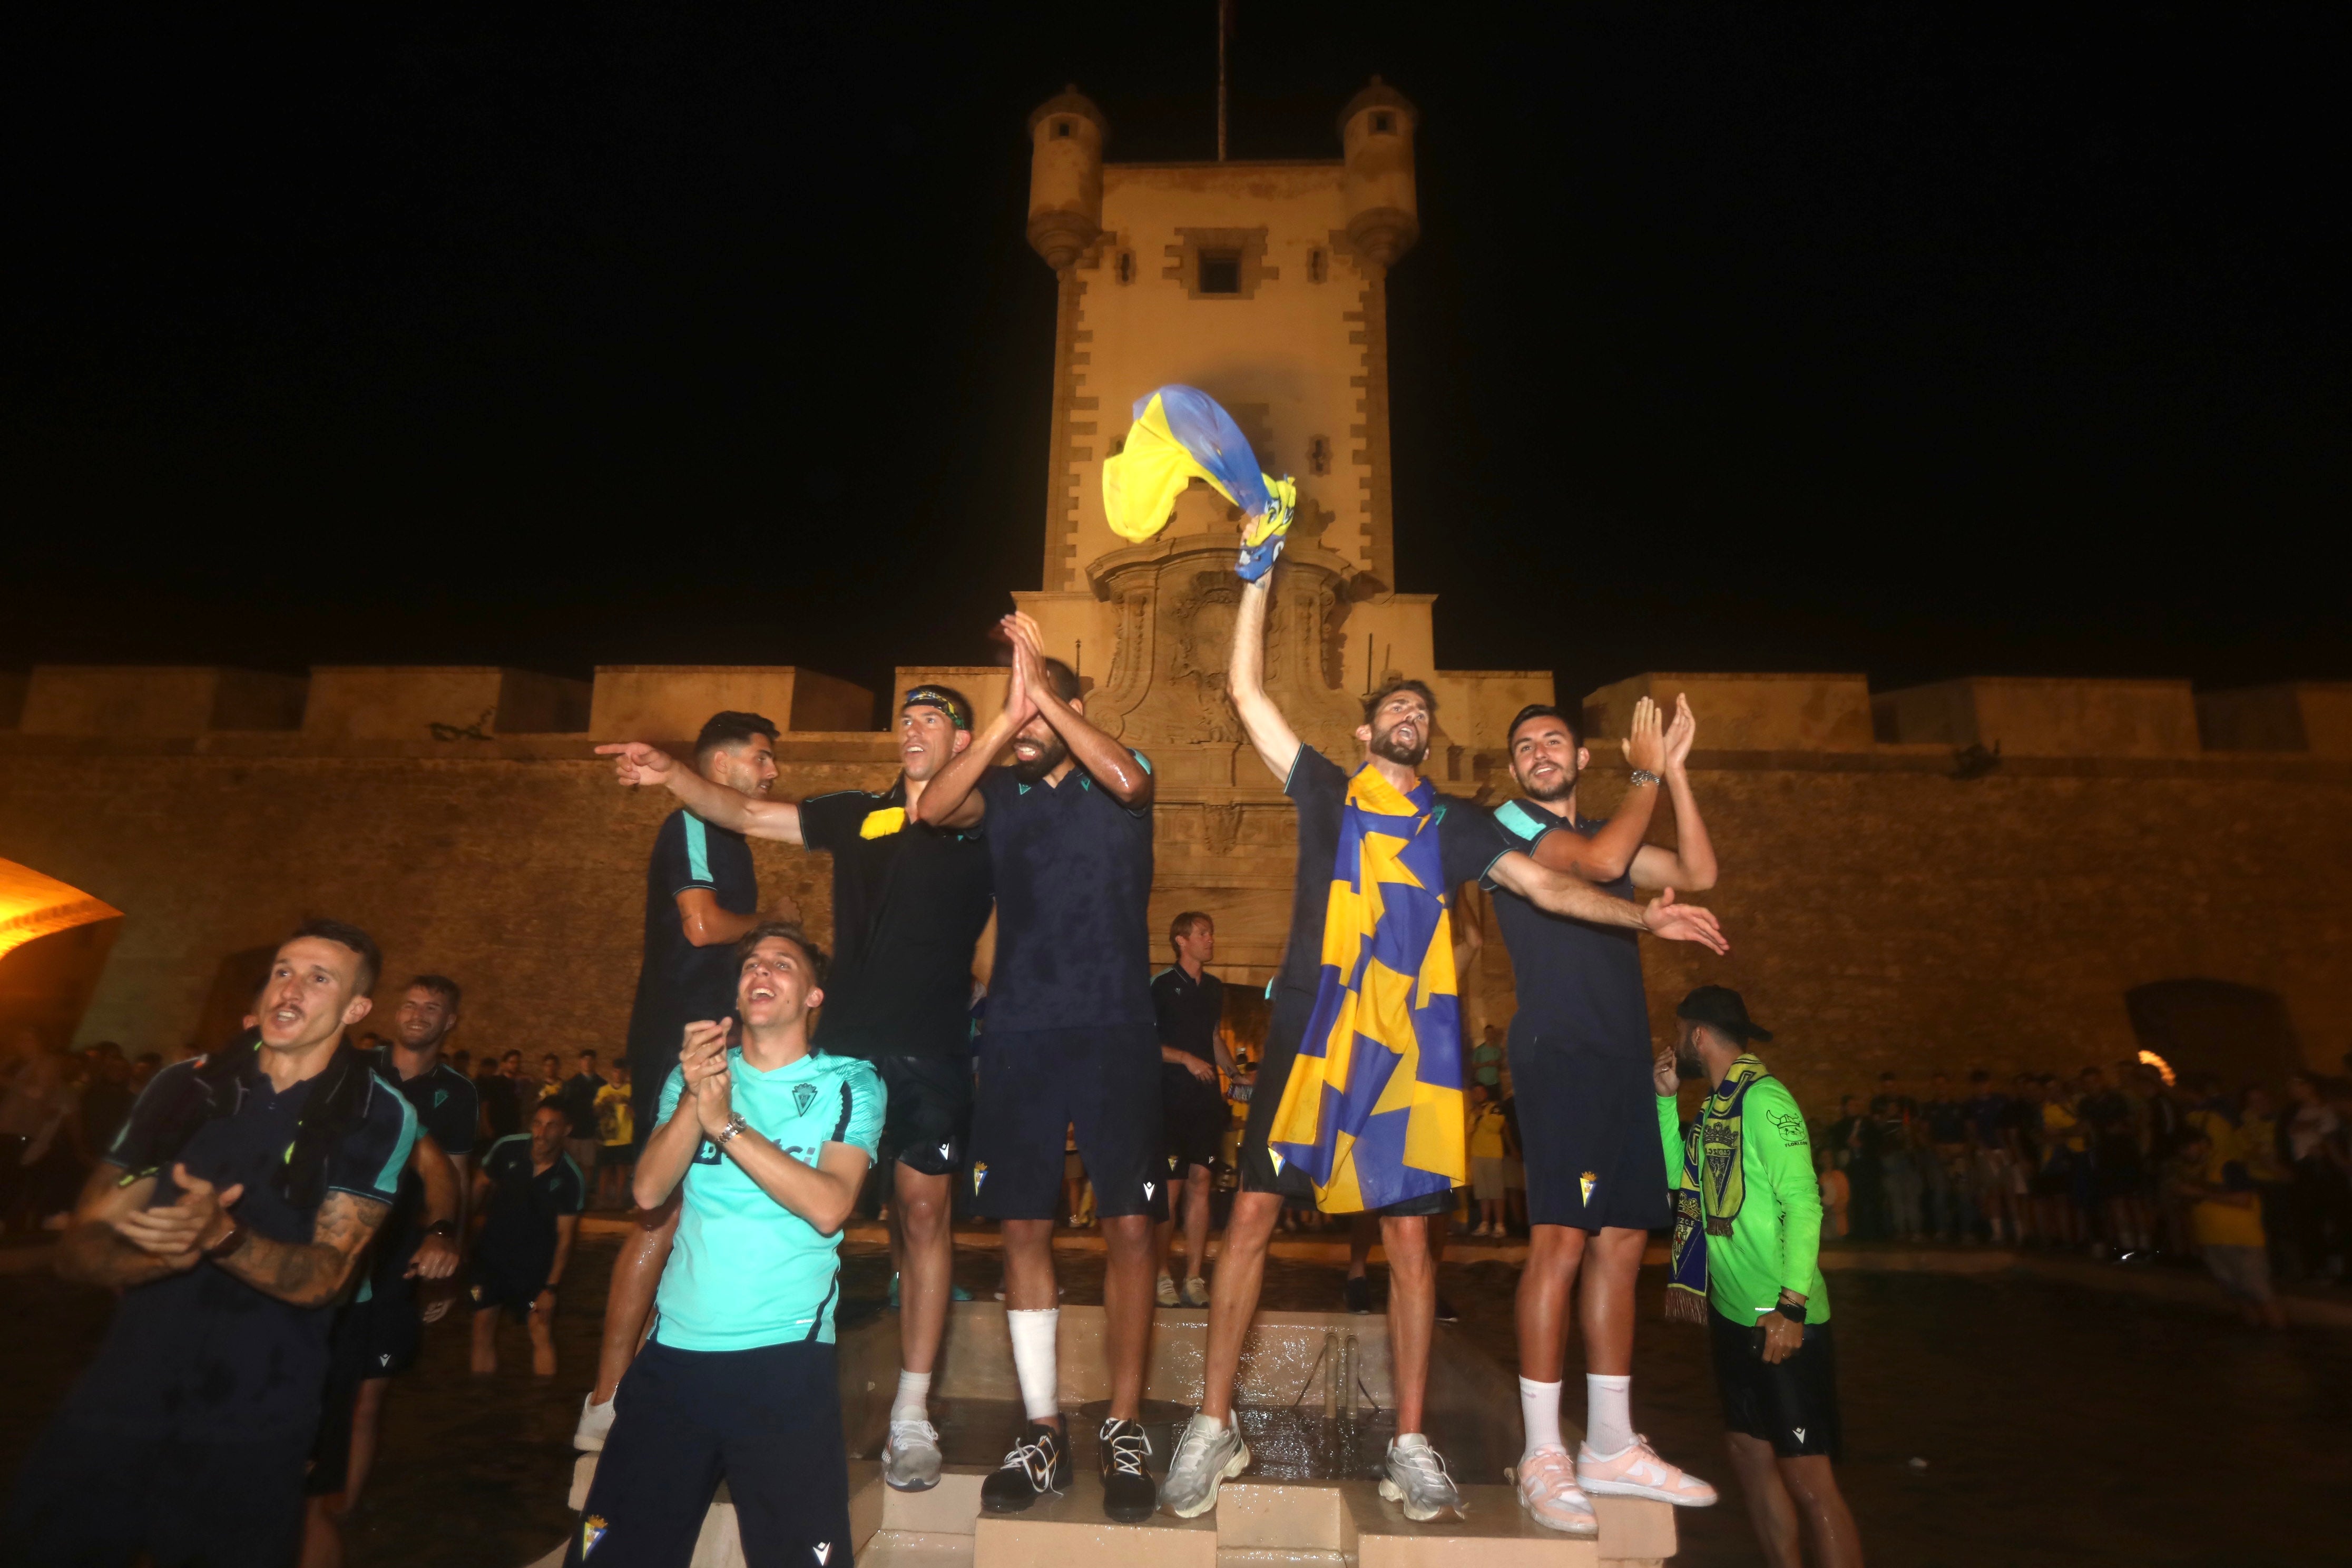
519	1221
1188	1012
1467	844
448	1111
1073	877
680	984
908	905
204	1356
1579	985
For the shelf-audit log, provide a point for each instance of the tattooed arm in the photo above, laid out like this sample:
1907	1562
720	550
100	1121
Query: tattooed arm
306	1274
96	1250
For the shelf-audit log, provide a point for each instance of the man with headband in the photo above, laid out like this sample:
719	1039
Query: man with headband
1454	843
909	904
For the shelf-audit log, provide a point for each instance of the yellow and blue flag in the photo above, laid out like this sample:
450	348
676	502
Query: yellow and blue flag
1181	435
1372	1112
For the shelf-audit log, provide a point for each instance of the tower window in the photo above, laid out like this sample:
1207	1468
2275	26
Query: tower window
1127	266
1220	272
1315	266
1062	129
1384	122
1319	456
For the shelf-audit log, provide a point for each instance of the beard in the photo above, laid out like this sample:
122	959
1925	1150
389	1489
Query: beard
1687	1063
1560	790
1384	744
1046	762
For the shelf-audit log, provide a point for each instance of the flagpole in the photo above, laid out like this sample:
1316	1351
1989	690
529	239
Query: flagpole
1222	29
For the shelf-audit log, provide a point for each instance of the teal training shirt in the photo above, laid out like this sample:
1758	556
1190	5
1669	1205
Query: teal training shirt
747	1271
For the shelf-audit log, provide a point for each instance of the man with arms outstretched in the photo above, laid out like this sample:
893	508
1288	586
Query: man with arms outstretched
1580	1055
1395	736
770	1140
1070	1045
229	1213
701	896
909	902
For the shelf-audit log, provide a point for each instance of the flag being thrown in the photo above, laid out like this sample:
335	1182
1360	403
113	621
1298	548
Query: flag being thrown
1179	434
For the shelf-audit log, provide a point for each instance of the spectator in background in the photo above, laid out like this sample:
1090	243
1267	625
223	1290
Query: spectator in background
1487	1151
577	1100
495	1097
144	1066
616	1157
1837	1196
2316	1160
2226	1218
529	1195
106	1099
2066	1188
1944	1160
1487	1062
550	1080
2263	1148
1894	1116
1846	1138
1992	1162
32	1079
2117	1167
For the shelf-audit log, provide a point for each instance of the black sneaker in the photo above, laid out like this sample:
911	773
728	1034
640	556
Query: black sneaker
1360	1294
1445	1311
1130	1494
1038	1464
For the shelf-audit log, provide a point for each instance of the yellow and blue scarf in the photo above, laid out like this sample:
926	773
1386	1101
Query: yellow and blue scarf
1372	1111
1713	1190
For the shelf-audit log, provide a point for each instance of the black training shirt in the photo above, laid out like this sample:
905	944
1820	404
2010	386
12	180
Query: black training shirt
1188	1012
908	905
1579	985
448	1111
204	1356
1467	844
519	1221
679	982
1073	875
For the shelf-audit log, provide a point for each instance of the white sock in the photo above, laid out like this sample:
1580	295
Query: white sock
1539	1409
1034	1361
1202	1418
914	1401
1607	1414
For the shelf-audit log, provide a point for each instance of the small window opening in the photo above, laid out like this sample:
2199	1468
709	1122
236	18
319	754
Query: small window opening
1315	266
1117	445
1220	272
1062	129
1319	456
1384	122
1127	266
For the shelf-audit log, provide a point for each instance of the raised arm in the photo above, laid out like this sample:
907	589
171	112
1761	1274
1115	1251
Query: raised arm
1270	734
1561	894
634	763
672	1147
1108	762
1690	865
953	799
1604	857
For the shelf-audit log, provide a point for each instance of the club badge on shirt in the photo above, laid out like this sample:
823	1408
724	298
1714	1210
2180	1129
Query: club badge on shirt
592	1531
978	1174
1585	1184
803	1096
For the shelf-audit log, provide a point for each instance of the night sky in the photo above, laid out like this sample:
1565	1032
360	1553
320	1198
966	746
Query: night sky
1920	342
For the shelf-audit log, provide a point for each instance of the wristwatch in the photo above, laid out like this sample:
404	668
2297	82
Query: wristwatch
227	1244
735	1123
1793	1310
1644	776
442	1227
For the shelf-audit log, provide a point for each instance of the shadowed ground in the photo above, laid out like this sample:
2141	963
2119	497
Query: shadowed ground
2060	1426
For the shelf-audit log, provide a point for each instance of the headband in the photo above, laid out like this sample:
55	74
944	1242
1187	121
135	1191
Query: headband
941	698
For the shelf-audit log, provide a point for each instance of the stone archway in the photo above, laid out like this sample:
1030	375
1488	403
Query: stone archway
54	938
2240	1033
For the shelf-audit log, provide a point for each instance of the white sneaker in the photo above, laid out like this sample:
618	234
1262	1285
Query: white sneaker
1167	1292
1639	1472
595	1421
1548	1491
1416	1477
1196	1291
910	1457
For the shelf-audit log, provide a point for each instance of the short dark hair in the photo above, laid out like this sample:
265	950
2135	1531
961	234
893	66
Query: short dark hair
1390	688
441	985
792	932
557	1106
731	729
1575	723
517	1055
552	1057
590	1052
343	934
1184	924
1065	680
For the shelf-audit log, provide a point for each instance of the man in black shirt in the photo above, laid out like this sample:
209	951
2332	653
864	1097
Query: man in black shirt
1070	1045
1395	736
577	1098
701	893
1581	1071
230	1211
1187	1004
909	902
529	1194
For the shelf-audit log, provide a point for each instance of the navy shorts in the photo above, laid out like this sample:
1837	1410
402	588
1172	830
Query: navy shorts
1035	1085
927	1111
1793	1405
510	1282
1293	1010
766	1421
1192	1121
95	1495
1589	1123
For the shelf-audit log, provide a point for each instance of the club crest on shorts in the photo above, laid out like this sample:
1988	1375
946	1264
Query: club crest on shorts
592	1531
803	1096
978	1174
1585	1184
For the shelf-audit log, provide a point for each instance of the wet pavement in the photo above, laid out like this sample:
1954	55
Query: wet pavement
2057	1425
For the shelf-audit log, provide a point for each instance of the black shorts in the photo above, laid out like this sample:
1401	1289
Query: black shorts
1589	1124
1035	1085
510	1282
927	1115
88	1494
1292	1011
769	1420
1192	1121
1793	1405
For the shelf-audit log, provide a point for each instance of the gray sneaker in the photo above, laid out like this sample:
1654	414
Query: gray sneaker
1206	1458
910	1457
1417	1479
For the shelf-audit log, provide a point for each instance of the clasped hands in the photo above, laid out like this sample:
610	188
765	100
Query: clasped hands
702	1059
181	1231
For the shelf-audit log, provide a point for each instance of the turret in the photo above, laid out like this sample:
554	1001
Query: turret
1067	133
1376	133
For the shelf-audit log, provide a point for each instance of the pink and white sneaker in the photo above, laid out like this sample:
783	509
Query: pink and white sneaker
1548	1491
1639	1472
